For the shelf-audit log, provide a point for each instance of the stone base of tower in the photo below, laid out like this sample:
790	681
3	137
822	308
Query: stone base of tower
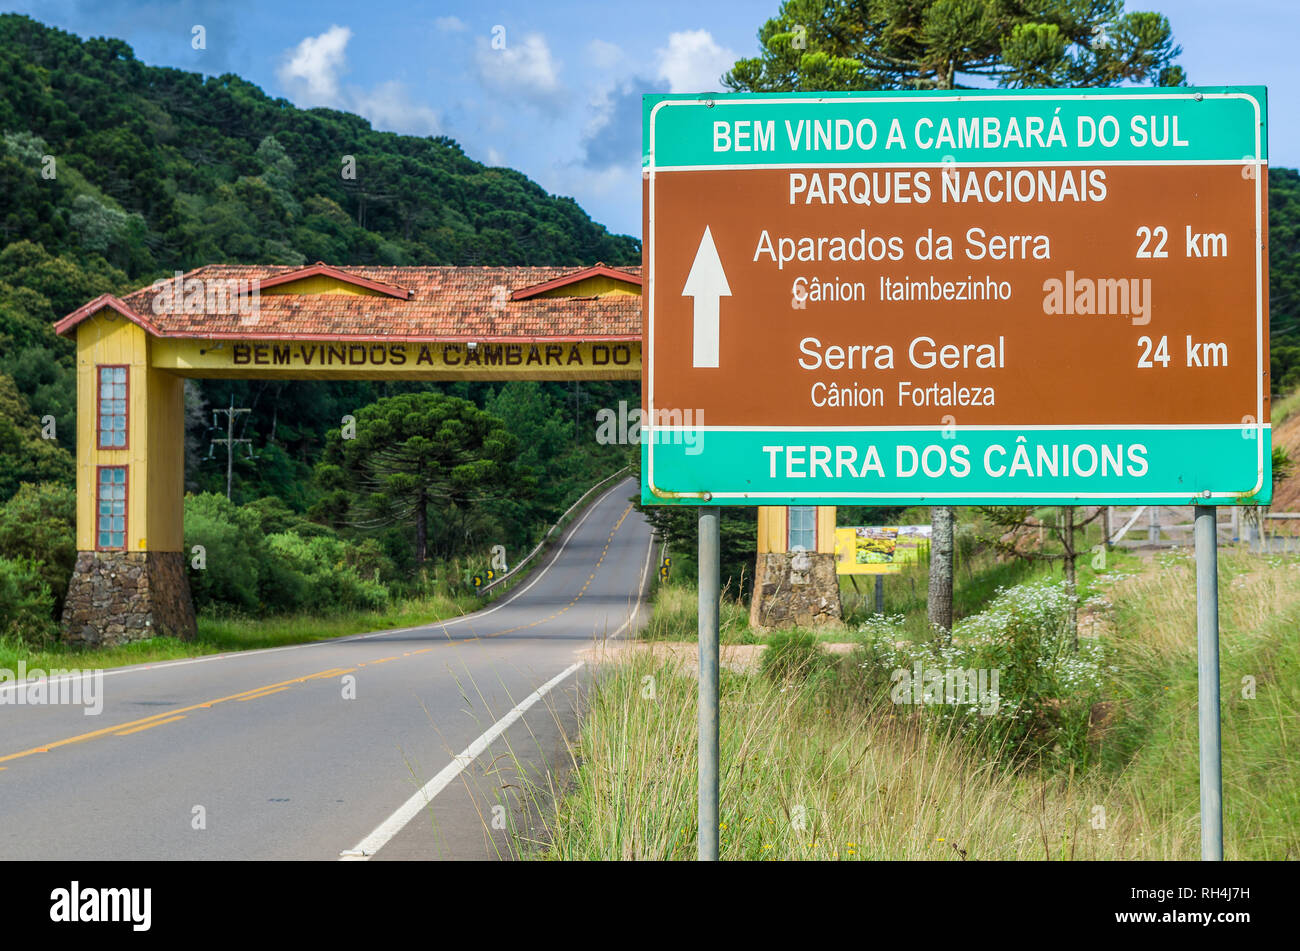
795	589
120	596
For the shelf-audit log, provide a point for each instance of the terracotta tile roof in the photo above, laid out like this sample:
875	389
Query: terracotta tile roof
446	303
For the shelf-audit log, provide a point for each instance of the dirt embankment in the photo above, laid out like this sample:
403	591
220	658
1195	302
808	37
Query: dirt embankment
1286	494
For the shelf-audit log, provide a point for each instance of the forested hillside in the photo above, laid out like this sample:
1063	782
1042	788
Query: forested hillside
114	173
1284	276
160	169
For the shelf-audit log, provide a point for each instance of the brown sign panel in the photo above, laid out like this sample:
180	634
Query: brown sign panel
1084	327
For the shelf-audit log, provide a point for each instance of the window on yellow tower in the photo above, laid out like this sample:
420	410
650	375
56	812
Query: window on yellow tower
803	528
112	407
110	502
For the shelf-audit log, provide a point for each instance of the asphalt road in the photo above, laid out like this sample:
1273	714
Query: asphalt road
261	755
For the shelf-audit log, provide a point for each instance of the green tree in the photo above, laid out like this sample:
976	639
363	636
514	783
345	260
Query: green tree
417	452
677	526
836	45
1284	263
63	281
24	455
840	45
39	524
50	388
234	554
26	604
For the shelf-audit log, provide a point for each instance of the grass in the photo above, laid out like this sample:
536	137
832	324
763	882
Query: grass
676	617
821	769
221	634
1154	744
810	775
1286	407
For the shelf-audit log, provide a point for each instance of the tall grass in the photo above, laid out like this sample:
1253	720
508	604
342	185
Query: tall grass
1154	742
806	773
1286	407
676	615
816	768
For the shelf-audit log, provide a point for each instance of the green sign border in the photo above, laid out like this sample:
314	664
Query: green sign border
1221	124
1206	112
1184	464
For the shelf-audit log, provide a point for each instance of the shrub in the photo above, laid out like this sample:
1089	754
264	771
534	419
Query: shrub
1045	689
26	604
40	524
234	554
329	581
262	558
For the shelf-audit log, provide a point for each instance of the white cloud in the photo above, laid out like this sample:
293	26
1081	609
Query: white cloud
694	62
604	55
311	71
389	107
450	24
612	135
522	69
312	68
611	195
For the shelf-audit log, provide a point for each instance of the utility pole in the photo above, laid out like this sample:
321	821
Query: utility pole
230	439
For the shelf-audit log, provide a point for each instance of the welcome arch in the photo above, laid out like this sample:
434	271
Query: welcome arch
308	323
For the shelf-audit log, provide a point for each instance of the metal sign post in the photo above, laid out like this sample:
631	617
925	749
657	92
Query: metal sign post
708	698
1207	662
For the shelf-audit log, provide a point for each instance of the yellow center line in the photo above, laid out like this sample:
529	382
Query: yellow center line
159	716
562	610
264	693
150	726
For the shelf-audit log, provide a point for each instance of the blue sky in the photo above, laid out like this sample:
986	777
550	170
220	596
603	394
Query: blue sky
561	101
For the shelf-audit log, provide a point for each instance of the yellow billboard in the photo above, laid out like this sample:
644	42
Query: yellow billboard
880	550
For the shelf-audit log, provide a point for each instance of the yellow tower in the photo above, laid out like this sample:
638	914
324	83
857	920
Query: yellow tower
795	584
130	437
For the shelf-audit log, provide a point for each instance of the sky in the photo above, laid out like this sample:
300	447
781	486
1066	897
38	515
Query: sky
554	88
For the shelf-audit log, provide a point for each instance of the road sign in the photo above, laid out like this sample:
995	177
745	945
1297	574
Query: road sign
975	297
880	550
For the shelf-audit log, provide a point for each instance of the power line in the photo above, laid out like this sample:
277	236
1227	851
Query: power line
230	439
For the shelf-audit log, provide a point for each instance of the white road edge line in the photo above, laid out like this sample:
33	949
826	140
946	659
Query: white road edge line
411	808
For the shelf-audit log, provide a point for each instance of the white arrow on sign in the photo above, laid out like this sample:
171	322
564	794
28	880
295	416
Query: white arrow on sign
706	283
